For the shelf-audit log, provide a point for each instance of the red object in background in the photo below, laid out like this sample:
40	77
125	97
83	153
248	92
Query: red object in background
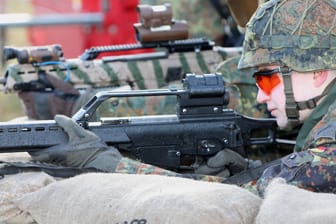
117	27
69	36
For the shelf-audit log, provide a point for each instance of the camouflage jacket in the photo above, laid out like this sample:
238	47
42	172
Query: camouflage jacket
312	165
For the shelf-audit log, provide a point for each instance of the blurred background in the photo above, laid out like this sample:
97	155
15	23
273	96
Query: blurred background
80	24
10	106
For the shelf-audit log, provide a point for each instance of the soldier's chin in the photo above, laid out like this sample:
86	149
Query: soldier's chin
282	123
287	124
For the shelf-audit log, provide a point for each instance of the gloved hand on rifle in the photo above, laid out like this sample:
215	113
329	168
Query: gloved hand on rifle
224	164
83	150
86	150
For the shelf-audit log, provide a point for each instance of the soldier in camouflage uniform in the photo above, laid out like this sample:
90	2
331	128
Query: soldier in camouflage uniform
291	46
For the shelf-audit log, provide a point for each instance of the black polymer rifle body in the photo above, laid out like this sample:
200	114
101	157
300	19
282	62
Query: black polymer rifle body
201	127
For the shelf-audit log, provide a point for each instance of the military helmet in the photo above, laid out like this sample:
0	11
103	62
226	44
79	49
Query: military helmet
300	34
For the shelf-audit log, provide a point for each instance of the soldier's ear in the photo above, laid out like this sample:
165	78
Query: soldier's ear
320	77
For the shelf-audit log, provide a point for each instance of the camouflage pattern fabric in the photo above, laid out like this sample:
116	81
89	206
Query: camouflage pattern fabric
129	166
301	35
240	85
297	33
242	89
313	165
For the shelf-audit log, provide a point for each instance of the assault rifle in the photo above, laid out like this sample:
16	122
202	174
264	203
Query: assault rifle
201	127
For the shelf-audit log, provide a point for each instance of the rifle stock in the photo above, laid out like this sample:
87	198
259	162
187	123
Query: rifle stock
201	127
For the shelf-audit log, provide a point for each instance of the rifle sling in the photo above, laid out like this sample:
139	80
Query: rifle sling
250	174
7	168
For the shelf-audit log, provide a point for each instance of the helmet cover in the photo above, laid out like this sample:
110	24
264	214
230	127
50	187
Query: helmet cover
300	34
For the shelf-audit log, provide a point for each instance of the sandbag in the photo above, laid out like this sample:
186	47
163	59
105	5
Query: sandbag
135	198
13	187
285	204
15	157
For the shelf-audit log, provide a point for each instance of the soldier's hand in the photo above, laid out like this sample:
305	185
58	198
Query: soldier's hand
47	96
83	149
225	163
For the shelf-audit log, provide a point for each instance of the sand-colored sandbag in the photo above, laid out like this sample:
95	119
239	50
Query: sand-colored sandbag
13	187
134	198
15	157
285	204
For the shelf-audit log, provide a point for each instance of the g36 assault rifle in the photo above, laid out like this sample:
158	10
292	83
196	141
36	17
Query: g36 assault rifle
201	126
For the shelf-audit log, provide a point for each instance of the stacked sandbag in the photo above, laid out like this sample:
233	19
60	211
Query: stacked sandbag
285	204
15	157
134	198
13	187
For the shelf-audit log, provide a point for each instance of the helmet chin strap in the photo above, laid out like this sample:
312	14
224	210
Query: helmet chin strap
293	107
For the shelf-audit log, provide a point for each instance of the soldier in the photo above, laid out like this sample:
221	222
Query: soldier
290	44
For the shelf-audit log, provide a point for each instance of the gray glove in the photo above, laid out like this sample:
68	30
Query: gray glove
83	150
224	164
